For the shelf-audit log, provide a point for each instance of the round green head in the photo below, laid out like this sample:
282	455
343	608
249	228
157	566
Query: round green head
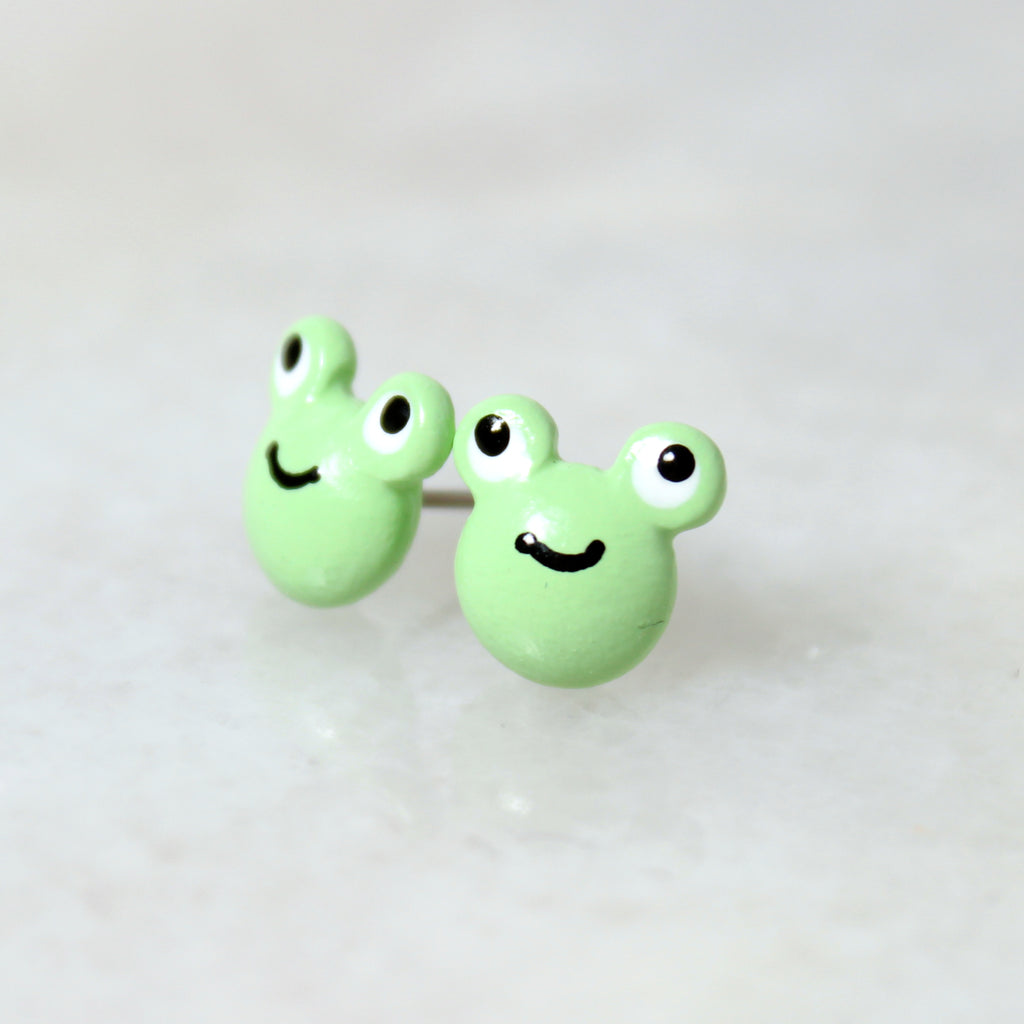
335	485
565	572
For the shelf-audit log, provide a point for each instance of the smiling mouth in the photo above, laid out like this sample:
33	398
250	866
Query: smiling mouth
289	481
527	544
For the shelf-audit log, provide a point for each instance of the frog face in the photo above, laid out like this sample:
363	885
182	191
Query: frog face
565	572
334	487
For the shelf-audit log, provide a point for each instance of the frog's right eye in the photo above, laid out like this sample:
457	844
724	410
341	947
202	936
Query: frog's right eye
665	474
497	450
389	424
292	366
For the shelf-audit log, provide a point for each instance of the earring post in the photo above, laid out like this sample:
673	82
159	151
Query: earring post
447	499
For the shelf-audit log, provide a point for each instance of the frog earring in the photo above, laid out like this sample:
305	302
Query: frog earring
334	487
566	573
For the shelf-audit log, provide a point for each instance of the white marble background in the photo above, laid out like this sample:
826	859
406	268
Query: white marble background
796	225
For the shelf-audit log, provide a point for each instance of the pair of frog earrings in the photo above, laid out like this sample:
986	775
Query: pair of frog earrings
565	573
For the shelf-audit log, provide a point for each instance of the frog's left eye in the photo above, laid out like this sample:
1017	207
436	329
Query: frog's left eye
498	448
389	423
292	366
665	475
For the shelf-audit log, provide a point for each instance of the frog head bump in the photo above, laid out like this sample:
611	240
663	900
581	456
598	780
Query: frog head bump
567	573
335	485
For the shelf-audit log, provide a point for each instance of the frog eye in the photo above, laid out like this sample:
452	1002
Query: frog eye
292	366
665	475
389	423
498	449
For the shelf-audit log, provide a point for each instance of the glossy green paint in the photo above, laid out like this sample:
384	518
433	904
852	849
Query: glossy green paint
334	540
584	627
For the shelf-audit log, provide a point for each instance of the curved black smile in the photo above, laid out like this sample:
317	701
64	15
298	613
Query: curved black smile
527	544
289	481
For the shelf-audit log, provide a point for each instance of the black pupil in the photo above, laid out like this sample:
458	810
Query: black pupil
291	353
395	415
492	435
677	463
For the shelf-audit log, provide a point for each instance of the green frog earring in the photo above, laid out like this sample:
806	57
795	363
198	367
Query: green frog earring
567	574
335	485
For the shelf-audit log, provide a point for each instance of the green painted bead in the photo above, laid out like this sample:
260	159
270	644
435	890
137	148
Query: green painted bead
335	485
566	573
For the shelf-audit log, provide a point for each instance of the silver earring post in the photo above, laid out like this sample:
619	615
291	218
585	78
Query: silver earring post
447	499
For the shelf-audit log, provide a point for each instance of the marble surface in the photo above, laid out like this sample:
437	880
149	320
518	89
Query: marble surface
796	226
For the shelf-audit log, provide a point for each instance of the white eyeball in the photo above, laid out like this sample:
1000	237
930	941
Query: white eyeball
292	366
388	425
665	473
497	449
